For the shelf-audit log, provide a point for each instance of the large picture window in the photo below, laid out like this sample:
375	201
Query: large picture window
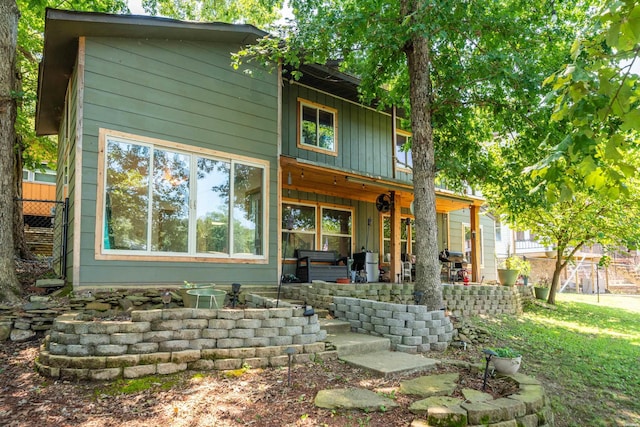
160	200
303	229
318	127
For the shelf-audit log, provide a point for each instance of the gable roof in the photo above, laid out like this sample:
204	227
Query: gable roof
63	28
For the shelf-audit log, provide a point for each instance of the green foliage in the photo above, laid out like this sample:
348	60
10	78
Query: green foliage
597	97
514	262
260	13
506	352
30	42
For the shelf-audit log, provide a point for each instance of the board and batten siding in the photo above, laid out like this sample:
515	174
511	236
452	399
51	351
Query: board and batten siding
364	135
182	92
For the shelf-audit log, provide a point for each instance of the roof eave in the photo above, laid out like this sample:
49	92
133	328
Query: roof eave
63	29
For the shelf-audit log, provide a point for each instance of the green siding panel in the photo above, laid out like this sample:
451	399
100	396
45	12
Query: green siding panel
184	92
364	135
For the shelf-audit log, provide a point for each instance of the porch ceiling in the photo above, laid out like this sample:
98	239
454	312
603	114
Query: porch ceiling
337	182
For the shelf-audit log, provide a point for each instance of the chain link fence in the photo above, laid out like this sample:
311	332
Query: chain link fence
45	230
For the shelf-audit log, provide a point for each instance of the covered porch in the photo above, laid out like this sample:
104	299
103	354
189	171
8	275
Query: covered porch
298	176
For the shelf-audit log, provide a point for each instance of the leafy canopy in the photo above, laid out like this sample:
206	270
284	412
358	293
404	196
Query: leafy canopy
596	96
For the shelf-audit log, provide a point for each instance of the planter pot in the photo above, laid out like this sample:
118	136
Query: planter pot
343	280
541	293
506	365
507	277
189	300
206	298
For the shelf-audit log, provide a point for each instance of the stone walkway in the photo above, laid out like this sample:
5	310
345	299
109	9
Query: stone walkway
527	407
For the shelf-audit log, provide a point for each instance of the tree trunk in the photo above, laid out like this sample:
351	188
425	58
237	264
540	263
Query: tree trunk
555	282
19	243
424	199
9	15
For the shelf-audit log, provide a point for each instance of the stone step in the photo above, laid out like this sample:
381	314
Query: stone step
388	363
334	326
348	343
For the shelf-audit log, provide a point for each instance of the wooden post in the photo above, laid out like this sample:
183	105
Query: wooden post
396	223
474	212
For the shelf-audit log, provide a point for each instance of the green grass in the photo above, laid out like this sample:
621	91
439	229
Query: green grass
586	353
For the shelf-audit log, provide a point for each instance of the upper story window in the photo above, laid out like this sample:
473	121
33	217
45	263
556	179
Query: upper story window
404	160
318	127
161	198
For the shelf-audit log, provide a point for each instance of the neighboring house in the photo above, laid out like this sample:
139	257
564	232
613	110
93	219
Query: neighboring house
179	167
38	188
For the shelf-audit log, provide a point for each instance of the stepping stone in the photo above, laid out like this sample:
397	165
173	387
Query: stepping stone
353	398
430	385
472	395
421	407
386	363
49	283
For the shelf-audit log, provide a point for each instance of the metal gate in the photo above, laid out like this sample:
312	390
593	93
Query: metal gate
45	228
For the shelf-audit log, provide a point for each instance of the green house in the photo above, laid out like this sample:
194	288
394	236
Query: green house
178	167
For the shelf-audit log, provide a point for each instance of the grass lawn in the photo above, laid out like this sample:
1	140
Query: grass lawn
586	353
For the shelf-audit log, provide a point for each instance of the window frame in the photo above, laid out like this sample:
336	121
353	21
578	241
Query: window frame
293	231
402	166
31	175
191	255
319	107
318	233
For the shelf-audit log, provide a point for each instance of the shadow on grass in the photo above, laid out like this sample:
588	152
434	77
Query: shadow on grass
588	356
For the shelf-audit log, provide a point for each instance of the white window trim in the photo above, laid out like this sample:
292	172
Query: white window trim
31	176
305	103
191	256
401	166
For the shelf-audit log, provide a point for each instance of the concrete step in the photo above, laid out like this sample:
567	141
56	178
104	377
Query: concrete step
348	343
334	326
389	363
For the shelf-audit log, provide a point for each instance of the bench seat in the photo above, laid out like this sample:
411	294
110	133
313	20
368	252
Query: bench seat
319	265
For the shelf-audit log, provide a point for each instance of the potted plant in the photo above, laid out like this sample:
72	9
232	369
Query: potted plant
512	267
507	361
541	289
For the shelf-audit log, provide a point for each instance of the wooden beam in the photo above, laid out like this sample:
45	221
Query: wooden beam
396	221
475	260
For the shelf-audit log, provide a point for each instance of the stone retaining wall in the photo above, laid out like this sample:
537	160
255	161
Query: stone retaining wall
172	340
460	300
410	328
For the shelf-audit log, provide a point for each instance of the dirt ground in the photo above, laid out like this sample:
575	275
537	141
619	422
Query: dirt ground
248	398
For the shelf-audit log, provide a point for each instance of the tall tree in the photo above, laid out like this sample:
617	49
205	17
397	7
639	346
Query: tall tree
261	13
464	69
9	16
21	29
568	223
597	96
